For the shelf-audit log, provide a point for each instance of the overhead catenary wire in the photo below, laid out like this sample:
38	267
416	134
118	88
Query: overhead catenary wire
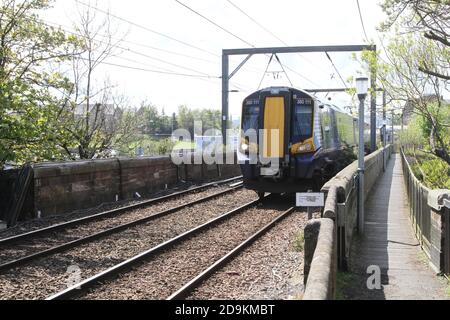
146	28
171	72
362	20
287	76
153	31
234	35
151	70
174	39
78	34
256	22
279	39
203	77
65	29
265	72
272	34
337	71
214	23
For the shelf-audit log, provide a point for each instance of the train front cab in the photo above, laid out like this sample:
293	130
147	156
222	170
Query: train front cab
286	147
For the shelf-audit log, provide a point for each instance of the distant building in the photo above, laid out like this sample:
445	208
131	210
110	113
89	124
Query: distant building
203	143
106	109
408	109
104	114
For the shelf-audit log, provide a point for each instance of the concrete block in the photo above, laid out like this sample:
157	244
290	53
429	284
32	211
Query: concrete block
322	275
312	230
436	198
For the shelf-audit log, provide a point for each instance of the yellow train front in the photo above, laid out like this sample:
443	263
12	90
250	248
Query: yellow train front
291	142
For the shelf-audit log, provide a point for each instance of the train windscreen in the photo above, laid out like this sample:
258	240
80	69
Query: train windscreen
303	122
250	118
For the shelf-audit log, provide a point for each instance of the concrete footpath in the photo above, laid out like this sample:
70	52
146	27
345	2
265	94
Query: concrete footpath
390	244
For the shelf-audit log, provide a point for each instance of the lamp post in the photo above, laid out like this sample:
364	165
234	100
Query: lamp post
362	87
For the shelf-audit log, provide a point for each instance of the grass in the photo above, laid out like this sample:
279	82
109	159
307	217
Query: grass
430	170
299	242
153	147
423	257
343	280
184	145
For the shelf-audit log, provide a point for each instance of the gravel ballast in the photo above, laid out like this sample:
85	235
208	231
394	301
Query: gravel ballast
36	224
46	276
161	276
270	269
45	241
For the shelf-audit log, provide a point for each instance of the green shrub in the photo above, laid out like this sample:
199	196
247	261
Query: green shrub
437	174
165	146
299	242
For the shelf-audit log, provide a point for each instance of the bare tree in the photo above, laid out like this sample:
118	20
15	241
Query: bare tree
95	116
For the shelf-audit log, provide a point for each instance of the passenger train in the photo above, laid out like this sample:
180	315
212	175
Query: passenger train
292	142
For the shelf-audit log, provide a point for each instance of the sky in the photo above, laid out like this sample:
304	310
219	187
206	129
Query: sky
295	22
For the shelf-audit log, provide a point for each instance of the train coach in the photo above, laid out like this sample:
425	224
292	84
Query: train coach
292	142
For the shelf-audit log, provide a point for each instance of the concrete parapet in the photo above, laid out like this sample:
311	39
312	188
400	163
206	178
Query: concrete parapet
436	198
330	210
328	240
321	273
344	181
341	204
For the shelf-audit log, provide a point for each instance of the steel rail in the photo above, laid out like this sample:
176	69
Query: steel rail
200	278
108	213
75	243
83	286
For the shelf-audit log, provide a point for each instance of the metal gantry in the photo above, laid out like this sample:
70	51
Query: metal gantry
249	52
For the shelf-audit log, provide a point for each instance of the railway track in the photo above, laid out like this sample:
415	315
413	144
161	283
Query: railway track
184	292
109	213
108	231
184	261
38	275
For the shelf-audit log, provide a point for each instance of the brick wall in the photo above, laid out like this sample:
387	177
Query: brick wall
63	187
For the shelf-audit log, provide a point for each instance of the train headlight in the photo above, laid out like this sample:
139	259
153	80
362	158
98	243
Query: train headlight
304	148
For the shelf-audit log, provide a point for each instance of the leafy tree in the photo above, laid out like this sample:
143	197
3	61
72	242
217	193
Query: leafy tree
155	123
29	110
430	19
413	137
211	119
186	119
420	92
414	70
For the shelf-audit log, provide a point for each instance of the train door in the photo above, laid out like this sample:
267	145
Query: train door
274	128
275	135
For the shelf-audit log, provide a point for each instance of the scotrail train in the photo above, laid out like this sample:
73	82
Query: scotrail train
292	142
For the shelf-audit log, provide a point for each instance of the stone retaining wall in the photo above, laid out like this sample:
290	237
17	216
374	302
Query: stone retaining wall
63	187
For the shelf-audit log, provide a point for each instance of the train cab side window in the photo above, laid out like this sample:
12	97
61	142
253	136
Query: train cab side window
303	126
325	120
250	119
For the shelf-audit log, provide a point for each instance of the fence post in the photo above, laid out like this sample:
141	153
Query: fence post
446	216
439	203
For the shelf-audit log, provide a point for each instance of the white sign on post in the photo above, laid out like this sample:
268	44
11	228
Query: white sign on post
310	200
